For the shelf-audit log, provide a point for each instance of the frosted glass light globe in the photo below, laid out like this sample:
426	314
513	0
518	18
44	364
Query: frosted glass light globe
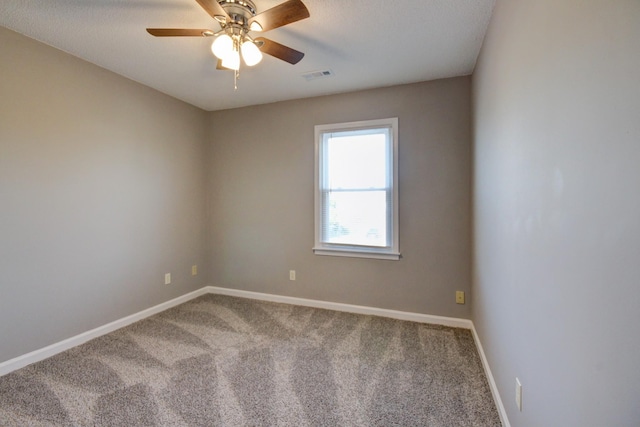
232	60
250	53
221	46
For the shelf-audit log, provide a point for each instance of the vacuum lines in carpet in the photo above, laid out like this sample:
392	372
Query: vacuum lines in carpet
226	361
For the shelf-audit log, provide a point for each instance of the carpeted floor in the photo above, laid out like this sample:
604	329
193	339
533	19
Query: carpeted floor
224	361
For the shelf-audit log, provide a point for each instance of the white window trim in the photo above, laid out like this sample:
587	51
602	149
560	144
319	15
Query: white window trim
323	248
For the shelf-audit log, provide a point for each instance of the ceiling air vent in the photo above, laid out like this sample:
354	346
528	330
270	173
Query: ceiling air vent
314	75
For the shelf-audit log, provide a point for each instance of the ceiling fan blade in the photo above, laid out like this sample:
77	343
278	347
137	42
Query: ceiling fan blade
179	32
213	8
278	50
278	16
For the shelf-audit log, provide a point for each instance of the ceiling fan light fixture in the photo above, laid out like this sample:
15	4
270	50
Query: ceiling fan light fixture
232	60
222	46
250	53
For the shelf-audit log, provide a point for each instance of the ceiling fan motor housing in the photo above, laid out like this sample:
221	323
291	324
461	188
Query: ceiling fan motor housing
240	11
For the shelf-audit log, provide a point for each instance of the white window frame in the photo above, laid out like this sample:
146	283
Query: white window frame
321	247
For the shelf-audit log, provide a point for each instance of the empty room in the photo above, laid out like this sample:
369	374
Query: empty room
310	213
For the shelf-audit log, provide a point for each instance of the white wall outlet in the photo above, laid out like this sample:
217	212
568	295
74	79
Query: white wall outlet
518	394
459	297
194	270
167	278
292	275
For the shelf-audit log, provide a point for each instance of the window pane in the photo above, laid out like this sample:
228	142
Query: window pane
357	161
356	218
356	189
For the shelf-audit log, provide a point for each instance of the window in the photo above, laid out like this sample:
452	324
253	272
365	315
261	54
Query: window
356	198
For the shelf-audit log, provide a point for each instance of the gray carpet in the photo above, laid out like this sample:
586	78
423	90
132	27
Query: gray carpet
224	361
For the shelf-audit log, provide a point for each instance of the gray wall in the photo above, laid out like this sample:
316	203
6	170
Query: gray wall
103	189
261	191
556	97
101	193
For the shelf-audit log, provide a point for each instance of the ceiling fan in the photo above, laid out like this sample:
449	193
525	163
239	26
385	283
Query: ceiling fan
237	18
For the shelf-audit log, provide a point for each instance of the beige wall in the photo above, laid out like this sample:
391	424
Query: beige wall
261	167
101	193
557	209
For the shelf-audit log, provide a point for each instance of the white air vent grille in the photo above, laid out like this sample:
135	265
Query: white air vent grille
313	75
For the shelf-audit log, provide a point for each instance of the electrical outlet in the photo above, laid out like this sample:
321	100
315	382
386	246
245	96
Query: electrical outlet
518	394
459	297
292	275
194	270
167	278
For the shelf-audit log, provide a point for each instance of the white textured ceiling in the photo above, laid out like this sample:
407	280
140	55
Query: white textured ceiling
366	43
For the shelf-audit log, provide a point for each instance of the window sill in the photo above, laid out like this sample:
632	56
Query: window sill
394	256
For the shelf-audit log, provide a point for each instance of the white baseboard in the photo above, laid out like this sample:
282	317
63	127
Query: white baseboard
349	308
53	349
492	383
